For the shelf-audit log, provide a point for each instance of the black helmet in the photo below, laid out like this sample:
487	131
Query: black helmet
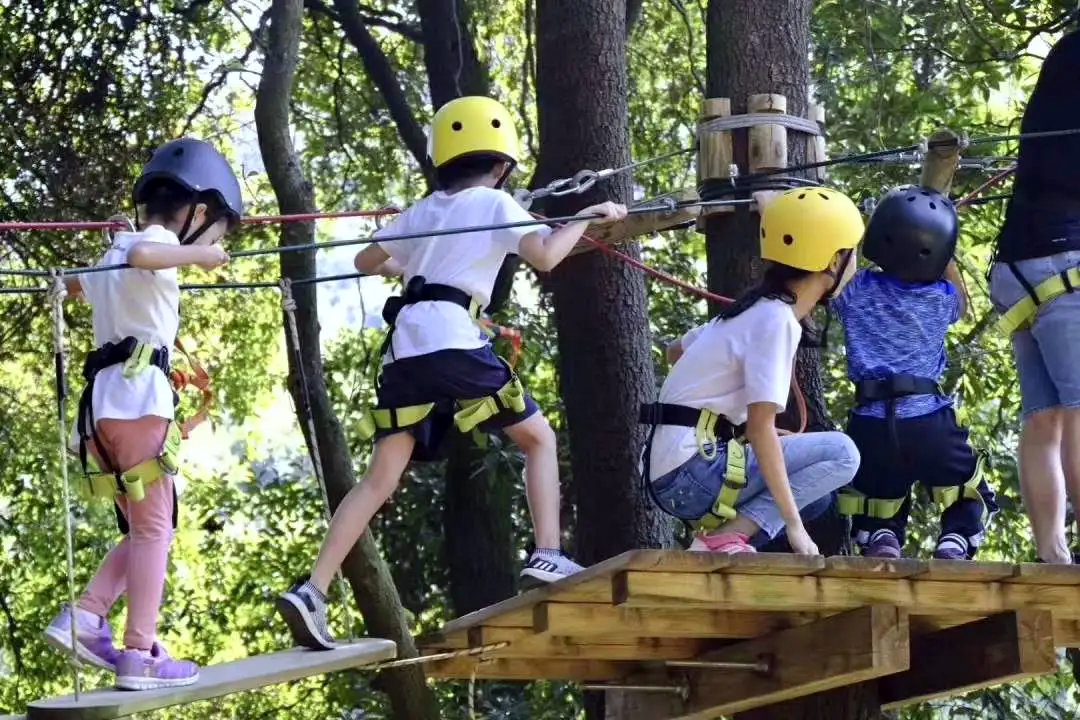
912	234
196	166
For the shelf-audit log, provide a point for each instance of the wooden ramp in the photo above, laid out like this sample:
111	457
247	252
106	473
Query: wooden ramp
217	680
707	626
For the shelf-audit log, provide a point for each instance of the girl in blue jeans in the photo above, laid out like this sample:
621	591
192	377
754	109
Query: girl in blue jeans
1033	283
732	376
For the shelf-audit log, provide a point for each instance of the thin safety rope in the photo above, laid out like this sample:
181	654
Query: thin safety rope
995	180
58	294
288	304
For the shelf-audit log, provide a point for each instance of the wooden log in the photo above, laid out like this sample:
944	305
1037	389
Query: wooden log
639	224
828	595
816	148
768	143
586	620
215	681
840	650
1004	648
716	155
941	161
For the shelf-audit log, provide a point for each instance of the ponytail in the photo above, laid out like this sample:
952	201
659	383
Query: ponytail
772	286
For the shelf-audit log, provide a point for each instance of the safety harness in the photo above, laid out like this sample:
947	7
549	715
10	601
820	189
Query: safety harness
1022	314
710	429
470	412
108	481
889	390
853	502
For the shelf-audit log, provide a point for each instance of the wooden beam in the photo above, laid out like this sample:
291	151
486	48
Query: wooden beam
827	594
530	669
967	570
1004	648
840	650
940	162
639	224
215	681
600	647
582	620
842	566
1046	574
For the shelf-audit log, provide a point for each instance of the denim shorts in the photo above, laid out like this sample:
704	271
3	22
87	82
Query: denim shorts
1046	352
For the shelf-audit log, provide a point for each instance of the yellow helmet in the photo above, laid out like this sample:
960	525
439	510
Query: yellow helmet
472	126
805	227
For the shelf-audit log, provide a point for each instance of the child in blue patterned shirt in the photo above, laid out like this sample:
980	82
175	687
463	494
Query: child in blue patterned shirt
895	321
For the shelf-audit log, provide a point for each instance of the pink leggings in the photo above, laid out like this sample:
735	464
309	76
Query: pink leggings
137	565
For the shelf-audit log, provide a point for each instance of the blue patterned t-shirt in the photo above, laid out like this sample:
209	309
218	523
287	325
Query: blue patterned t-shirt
896	328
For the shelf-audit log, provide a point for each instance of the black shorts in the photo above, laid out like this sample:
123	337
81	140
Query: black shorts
443	378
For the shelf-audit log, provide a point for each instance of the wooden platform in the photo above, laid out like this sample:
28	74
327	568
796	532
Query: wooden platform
215	681
926	628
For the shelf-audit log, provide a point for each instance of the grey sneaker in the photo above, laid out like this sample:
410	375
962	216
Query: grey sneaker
303	608
544	568
952	546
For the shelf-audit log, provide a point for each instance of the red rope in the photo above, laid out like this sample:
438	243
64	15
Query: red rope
254	220
997	179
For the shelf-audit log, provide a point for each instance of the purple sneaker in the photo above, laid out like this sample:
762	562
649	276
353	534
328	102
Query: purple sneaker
93	637
142	670
883	544
952	546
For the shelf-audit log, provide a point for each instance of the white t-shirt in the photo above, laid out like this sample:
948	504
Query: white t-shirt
466	261
144	304
727	365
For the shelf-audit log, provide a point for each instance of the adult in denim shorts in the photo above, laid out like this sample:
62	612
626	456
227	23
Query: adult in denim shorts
1041	239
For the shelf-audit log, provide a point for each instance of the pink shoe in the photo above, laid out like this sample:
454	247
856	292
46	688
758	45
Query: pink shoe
728	543
149	670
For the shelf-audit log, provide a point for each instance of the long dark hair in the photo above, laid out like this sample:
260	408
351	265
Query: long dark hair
772	286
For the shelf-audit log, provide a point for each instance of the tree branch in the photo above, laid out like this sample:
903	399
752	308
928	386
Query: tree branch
383	76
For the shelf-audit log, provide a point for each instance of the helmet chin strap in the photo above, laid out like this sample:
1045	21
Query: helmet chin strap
510	165
837	277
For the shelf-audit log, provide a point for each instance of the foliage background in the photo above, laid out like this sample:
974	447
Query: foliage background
86	88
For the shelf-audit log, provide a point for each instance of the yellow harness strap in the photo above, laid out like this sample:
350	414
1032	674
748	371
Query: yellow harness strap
510	396
723	508
393	418
101	484
946	496
1023	313
852	502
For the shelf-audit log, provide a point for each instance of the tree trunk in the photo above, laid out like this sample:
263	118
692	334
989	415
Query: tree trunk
753	47
372	586
477	530
605	363
453	66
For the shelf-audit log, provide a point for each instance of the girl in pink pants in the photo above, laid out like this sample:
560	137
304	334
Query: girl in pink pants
187	199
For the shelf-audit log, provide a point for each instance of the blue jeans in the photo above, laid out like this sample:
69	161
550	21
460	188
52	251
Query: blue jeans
817	464
1046	351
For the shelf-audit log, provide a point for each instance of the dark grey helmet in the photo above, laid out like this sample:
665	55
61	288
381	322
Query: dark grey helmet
912	234
197	166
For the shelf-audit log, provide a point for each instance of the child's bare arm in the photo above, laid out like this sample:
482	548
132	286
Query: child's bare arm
544	253
159	256
952	274
373	260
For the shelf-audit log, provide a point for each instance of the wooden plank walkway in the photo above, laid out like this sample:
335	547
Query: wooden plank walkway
215	681
641	613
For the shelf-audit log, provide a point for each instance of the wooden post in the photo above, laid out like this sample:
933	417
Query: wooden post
816	150
715	154
941	161
768	143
